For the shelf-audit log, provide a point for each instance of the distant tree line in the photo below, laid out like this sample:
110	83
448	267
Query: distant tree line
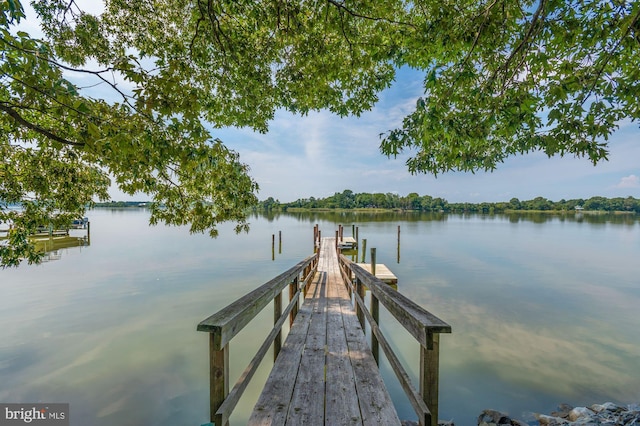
121	204
347	199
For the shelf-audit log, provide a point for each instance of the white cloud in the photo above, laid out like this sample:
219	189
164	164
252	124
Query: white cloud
631	181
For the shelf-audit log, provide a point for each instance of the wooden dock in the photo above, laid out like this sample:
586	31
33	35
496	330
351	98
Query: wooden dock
325	372
383	273
347	243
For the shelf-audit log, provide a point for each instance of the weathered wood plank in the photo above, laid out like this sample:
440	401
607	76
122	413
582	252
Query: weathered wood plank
342	405
273	404
307	401
376	406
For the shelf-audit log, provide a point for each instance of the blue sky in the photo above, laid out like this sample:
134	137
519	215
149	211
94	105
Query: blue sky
320	154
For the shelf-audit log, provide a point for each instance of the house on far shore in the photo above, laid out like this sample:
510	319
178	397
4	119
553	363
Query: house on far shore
579	208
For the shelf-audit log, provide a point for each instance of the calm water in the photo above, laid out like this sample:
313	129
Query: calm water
544	310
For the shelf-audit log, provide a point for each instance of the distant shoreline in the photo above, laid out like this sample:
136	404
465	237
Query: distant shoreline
142	205
348	200
507	211
122	204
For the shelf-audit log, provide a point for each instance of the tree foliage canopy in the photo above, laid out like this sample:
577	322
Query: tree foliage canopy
509	77
501	78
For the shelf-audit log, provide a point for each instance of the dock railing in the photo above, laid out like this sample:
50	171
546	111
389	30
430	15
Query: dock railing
421	324
227	323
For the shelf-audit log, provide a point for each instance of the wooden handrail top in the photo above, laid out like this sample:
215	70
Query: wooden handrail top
417	320
230	320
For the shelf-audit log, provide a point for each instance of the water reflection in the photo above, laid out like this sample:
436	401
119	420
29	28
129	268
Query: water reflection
52	243
543	311
53	247
355	216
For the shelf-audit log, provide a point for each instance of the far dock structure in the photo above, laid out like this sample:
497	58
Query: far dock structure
382	272
325	372
345	243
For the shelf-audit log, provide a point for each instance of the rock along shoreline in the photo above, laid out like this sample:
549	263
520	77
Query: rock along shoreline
607	413
566	415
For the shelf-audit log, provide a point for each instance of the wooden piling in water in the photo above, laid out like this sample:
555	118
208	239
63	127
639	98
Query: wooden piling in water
373	261
398	244
364	249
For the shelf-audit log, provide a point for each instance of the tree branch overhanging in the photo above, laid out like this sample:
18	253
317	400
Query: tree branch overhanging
20	120
369	18
538	16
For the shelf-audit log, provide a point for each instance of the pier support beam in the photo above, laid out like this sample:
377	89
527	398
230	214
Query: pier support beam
429	376
277	313
219	377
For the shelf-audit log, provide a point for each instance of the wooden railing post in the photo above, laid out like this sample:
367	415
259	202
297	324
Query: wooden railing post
305	275
218	376
349	272
375	313
375	310
277	313
359	312
293	289
429	376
